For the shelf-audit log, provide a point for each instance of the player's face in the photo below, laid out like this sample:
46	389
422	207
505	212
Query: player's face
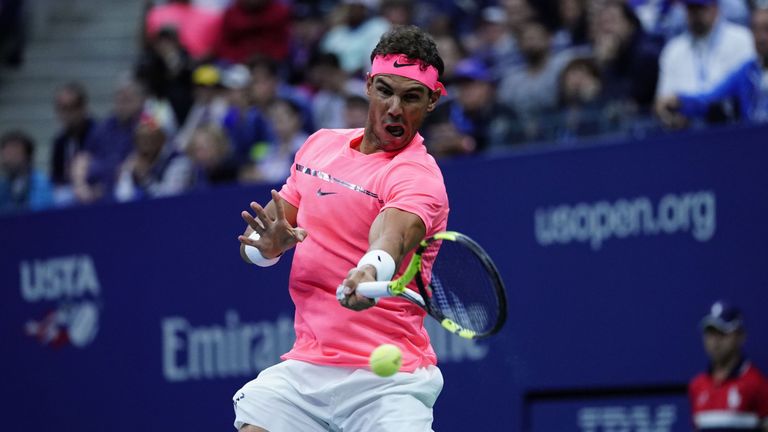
721	347
397	108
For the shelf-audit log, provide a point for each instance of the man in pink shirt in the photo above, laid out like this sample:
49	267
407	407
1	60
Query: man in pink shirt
356	203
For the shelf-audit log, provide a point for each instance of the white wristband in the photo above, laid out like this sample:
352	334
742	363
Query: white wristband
255	256
382	261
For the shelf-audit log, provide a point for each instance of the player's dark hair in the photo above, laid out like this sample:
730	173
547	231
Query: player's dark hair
413	42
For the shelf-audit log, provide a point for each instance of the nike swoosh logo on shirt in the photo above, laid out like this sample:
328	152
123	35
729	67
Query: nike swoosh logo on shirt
399	65
321	193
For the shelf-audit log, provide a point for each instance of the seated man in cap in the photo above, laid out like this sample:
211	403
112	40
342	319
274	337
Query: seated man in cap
733	394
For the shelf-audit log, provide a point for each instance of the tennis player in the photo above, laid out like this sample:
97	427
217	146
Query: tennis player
357	201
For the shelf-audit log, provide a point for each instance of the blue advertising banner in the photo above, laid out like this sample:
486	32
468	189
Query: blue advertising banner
142	316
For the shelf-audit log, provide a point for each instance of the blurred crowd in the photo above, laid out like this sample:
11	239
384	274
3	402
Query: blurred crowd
225	91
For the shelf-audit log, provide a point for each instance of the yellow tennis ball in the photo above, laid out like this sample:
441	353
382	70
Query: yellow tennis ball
386	359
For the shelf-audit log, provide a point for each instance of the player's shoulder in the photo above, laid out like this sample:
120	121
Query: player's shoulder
754	373
676	46
699	381
416	158
735	33
326	139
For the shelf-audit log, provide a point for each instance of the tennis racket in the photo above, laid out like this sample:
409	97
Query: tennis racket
458	284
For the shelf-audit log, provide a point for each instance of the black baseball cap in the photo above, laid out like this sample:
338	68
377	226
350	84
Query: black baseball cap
724	317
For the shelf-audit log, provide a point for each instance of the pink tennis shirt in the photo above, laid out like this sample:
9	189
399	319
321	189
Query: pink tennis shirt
339	192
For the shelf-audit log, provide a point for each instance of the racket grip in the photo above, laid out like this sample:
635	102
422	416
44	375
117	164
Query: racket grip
374	289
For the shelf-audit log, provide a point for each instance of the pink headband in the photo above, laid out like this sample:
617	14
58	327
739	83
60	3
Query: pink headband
398	64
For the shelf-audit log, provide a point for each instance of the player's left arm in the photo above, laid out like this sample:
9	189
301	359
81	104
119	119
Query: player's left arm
394	231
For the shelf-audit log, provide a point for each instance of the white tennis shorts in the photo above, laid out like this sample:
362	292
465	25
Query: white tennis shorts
298	396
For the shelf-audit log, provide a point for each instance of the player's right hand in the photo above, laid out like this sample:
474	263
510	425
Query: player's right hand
351	299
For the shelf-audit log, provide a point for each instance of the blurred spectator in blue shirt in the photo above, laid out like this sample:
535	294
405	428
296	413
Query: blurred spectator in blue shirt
210	104
77	125
153	168
493	42
667	18
211	156
355	34
273	162
94	169
532	89
706	74
332	84
471	120
22	187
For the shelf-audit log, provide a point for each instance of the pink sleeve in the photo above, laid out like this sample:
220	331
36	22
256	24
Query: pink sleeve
289	191
414	188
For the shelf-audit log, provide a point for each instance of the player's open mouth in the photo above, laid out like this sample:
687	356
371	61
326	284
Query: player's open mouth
396	131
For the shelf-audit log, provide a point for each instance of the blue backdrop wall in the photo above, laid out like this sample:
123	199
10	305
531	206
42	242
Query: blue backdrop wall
143	317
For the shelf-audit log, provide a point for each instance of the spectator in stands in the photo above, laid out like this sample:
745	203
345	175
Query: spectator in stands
627	57
453	51
71	105
210	105
165	68
197	27
12	32
153	168
585	108
397	12
355	111
355	35
493	42
94	169
706	72
760	33
532	89
22	187
307	29
273	162
211	156
573	27
472	120
255	27
667	18
332	85
268	85
732	394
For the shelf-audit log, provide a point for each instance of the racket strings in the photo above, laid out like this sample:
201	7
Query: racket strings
462	289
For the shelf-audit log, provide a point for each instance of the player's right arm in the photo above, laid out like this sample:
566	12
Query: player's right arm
275	223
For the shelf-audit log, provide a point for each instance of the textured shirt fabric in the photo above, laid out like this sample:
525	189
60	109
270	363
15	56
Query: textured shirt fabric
339	192
738	403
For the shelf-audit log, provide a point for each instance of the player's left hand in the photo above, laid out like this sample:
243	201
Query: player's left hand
353	300
276	234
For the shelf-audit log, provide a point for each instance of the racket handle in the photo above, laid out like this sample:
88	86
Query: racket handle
374	289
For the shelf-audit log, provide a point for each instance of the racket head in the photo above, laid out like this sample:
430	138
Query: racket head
461	286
